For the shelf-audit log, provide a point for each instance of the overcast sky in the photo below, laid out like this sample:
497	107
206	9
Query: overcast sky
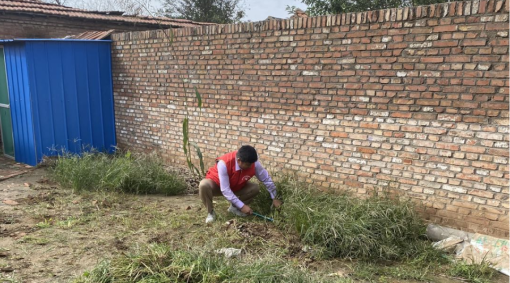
258	10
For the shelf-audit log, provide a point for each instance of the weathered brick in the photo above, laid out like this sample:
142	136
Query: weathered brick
493	210
496	181
499	152
474	149
366	150
499	224
480	193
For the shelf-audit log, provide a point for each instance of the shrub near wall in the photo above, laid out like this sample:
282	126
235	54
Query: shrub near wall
415	99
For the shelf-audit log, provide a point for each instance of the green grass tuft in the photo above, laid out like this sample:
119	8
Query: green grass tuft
474	273
130	173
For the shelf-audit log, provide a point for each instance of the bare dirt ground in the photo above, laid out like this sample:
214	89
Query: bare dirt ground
48	234
52	234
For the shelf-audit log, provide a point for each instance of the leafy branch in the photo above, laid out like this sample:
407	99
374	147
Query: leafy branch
186	143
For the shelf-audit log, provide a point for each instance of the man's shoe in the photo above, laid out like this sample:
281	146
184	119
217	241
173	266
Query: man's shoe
210	217
236	211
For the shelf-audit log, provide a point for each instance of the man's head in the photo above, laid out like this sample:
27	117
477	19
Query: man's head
246	156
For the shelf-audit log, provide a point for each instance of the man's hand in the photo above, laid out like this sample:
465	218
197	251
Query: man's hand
277	203
246	209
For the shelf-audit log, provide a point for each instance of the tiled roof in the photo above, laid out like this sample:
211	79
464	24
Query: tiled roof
47	9
92	35
298	13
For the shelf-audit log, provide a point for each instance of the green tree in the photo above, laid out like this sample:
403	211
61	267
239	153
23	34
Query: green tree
211	11
326	7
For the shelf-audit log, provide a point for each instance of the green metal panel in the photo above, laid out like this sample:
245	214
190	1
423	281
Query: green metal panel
5	116
4	94
5	111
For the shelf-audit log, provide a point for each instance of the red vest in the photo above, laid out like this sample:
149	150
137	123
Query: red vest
238	179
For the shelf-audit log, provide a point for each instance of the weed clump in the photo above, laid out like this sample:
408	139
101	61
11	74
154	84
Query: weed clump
474	273
130	173
342	225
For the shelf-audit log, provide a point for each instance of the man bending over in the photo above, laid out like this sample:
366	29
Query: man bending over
229	177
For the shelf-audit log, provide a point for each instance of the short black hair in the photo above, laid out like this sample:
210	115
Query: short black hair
247	153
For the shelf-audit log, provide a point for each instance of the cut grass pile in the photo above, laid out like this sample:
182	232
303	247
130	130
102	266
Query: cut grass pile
384	235
130	173
346	226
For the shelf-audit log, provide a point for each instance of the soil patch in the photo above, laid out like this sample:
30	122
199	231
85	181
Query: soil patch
9	168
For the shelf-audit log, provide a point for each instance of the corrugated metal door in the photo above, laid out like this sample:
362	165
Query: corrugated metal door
59	94
5	111
71	96
19	102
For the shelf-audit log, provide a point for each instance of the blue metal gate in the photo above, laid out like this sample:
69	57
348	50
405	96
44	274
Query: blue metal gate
61	97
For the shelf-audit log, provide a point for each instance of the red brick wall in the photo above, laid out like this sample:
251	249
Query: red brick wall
414	99
21	26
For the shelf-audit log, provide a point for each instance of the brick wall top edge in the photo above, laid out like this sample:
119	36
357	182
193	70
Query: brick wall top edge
441	10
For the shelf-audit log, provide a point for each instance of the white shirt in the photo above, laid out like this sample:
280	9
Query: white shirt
260	172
